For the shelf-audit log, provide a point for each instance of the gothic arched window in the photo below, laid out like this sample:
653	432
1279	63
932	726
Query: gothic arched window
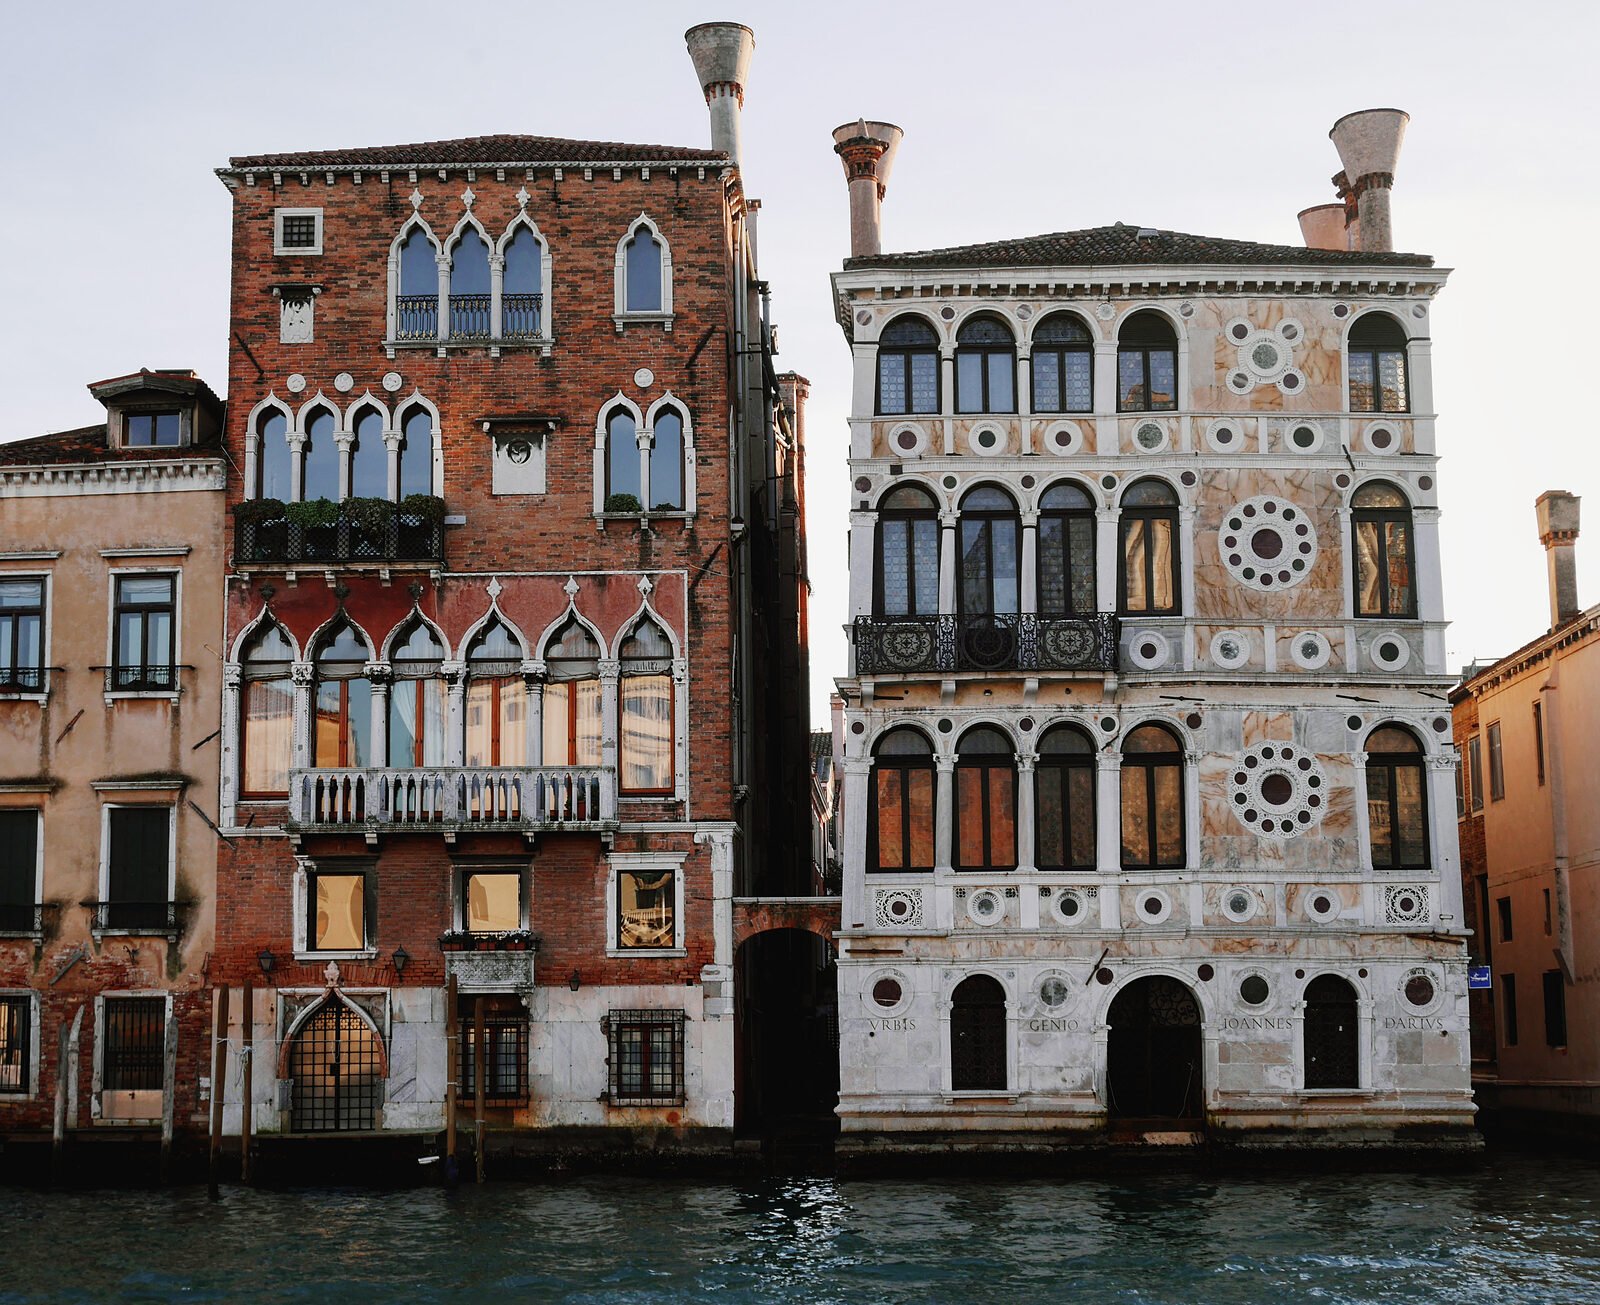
274	479
666	462
624	485
497	699
645	726
342	733
642	262
469	287
266	739
416	699
522	291
416	452
902	811
417	303
320	468
369	456
572	702
1152	800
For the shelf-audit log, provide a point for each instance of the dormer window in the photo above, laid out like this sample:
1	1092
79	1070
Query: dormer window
146	430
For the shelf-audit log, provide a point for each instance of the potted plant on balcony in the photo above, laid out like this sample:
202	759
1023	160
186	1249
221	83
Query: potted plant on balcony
370	521
318	521
263	530
419	518
455	940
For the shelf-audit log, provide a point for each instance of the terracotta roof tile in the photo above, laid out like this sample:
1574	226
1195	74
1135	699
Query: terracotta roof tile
483	151
85	445
1123	246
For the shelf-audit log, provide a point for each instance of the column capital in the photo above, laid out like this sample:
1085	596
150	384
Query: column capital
302	672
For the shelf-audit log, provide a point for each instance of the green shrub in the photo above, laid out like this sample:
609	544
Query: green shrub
624	503
313	513
429	507
371	515
253	510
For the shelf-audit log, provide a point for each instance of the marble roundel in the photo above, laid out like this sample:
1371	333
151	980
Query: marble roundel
1267	543
1277	789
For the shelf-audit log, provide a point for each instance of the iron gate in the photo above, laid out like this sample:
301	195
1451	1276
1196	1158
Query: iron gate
337	1072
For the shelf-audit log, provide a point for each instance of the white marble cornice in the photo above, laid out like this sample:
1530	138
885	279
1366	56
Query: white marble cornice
81	480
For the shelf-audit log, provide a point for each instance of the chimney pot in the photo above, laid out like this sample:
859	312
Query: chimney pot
1323	227
1557	511
1368	142
867	149
721	54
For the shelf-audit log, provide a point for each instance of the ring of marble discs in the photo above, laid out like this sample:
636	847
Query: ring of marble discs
1267	543
1277	789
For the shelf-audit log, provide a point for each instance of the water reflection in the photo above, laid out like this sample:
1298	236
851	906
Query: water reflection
1518	1230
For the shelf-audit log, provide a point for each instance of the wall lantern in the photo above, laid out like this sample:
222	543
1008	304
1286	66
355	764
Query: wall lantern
402	958
266	960
574	981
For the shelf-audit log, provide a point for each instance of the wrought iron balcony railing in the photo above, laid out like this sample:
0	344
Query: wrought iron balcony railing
469	317
448	798
1008	642
21	679
26	919
521	316
402	538
416	317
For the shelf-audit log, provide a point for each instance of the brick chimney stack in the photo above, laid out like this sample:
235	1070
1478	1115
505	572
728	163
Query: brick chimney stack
1558	532
867	150
1369	147
721	54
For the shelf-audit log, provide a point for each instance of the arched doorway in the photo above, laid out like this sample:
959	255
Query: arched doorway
978	1035
336	1065
1332	1040
1154	1058
787	1035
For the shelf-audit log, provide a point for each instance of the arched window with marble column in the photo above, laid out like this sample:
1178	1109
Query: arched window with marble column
266	707
342	724
986	801
1064	782
417	700
902	812
1153	804
573	726
496	698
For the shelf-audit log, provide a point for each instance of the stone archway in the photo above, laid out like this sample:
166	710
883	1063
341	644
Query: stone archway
336	1065
1155	1055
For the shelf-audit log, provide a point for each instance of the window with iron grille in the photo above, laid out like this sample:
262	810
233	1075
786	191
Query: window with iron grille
505	1050
134	1036
19	871
644	1057
297	231
16	1033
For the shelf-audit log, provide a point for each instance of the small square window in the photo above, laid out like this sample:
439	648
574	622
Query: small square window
491	901
337	904
152	430
16	1044
645	1057
647	902
297	231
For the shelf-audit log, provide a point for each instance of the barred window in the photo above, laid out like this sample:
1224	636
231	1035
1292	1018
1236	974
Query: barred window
15	1043
644	1053
505	1050
134	1038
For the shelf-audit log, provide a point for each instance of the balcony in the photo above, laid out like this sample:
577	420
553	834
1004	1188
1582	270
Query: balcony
448	799
1010	642
155	919
340	533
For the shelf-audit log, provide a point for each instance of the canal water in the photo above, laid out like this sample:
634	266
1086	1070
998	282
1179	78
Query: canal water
1520	1228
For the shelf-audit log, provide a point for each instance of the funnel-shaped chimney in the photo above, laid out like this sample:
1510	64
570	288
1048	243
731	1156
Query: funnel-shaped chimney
867	150
1369	147
1558	532
1323	227
721	54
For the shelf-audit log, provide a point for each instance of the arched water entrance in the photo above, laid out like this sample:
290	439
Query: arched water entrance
1155	1063
336	1064
786	1036
978	1035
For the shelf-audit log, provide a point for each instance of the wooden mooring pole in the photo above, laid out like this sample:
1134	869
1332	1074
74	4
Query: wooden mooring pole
219	1069
58	1131
452	1077
169	1095
480	1073
247	1095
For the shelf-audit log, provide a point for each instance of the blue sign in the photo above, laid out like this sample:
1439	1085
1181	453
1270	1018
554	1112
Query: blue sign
1478	976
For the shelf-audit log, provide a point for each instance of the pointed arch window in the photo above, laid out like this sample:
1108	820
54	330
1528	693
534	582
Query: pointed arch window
645	727
1063	365
267	710
986	801
908	367
903	809
1149	560
369	456
1147	364
320	468
1332	1034
1380	530
1397	800
1066	552
666	462
642	272
572	699
907	573
522	292
991	553
416	452
342	732
1064	800
497	699
417	303
336	1068
1152	800
416	699
274	478
624	485
469	287
1377	354
986	366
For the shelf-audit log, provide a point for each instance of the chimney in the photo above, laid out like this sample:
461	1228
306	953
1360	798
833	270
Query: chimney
1323	227
721	54
867	150
1369	146
1558	532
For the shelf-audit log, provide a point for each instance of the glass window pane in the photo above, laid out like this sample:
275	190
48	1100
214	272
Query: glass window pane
646	732
273	457
1380	816
524	274
1001	375
166	434
1080	814
1135	817
1392	380
1047	382
924	382
622	456
976	595
1052	564
1135	593
513	722
926	562
419	270
1078	382
666	464
1051	836
403	723
645	905
268	735
643	259
1080	536
1411	830
969	816
919	800
557	720
1397	553
1369	596
369	458
158	638
1002	817
1361	382
136	433
145	589
1163	578
891	383
586	737
1169	814
469	265
16	594
1130	381
358	699
340	921
1007	570
480	711
894	549
130	639
416	453
325	741
969	382
321	466
494	903
889	796
1163	379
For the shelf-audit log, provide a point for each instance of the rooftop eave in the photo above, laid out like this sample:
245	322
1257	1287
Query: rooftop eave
1141	274
720	165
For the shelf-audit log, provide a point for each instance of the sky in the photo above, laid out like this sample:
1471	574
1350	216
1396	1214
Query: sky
1019	119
